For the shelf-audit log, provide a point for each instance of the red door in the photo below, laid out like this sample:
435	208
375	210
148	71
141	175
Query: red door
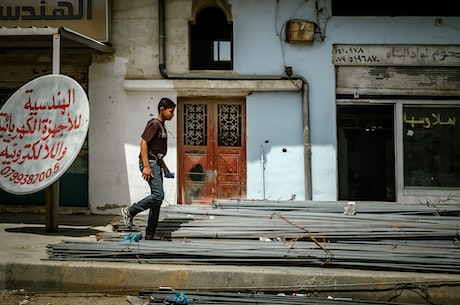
212	150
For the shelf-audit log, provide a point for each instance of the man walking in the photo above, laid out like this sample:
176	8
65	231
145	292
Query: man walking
153	148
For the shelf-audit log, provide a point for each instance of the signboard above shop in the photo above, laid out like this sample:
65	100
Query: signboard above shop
396	55
87	17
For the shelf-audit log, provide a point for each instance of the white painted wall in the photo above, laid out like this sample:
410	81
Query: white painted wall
274	136
118	116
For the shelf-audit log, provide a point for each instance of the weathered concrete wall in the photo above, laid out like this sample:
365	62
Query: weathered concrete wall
118	117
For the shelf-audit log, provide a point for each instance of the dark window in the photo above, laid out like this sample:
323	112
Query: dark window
366	152
395	8
211	42
431	150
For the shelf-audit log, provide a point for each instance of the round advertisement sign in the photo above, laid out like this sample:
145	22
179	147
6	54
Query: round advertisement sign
43	126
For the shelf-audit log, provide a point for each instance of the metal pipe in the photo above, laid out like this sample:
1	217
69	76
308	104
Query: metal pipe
306	140
161	38
262	163
52	191
56	64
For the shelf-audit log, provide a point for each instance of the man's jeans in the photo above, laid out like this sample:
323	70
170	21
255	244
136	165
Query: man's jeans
152	201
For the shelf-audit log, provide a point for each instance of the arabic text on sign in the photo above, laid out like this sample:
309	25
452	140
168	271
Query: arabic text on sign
429	121
64	10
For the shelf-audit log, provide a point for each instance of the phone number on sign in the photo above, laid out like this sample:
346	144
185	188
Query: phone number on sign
21	179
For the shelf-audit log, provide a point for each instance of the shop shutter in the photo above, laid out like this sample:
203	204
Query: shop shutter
359	81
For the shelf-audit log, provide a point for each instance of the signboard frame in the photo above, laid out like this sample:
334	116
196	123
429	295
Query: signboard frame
91	18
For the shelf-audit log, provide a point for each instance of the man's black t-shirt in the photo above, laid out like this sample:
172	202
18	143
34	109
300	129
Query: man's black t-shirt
156	136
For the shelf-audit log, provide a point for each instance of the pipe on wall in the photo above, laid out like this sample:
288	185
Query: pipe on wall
305	91
306	140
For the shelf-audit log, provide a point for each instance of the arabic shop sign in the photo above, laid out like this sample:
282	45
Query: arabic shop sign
88	17
429	120
399	55
42	129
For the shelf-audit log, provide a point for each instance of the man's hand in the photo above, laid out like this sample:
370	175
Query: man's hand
147	173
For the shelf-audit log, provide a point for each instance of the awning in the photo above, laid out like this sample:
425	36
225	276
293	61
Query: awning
38	38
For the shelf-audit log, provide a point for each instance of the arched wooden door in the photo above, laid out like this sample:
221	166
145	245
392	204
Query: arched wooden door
212	150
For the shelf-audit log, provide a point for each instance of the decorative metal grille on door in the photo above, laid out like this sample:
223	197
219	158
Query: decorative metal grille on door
195	125
229	129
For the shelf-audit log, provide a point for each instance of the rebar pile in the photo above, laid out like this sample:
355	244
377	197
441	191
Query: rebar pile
212	298
384	237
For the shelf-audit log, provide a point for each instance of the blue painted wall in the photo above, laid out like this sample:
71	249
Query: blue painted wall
260	49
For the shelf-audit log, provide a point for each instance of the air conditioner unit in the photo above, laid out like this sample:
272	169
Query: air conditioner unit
298	31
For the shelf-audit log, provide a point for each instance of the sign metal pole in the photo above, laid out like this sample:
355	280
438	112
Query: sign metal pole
52	191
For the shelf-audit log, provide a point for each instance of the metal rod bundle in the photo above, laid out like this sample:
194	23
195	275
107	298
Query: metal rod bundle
389	237
212	298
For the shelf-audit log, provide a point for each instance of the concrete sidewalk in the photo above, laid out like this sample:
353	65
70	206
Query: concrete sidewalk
24	264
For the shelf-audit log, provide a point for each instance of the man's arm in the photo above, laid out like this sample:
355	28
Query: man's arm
147	173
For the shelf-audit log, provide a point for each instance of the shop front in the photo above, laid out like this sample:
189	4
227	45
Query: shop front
38	39
397	115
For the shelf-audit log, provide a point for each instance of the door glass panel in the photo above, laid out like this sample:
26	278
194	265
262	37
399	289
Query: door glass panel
229	125
195	124
431	146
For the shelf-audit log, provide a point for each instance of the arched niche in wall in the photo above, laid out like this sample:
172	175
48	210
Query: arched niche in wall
211	36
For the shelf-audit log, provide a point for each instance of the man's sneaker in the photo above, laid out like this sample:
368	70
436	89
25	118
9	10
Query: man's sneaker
149	237
127	219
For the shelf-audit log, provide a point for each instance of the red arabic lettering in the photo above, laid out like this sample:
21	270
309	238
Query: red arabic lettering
28	178
33	151
6	122
56	102
46	127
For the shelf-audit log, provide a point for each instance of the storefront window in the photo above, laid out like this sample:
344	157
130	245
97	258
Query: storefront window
431	146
